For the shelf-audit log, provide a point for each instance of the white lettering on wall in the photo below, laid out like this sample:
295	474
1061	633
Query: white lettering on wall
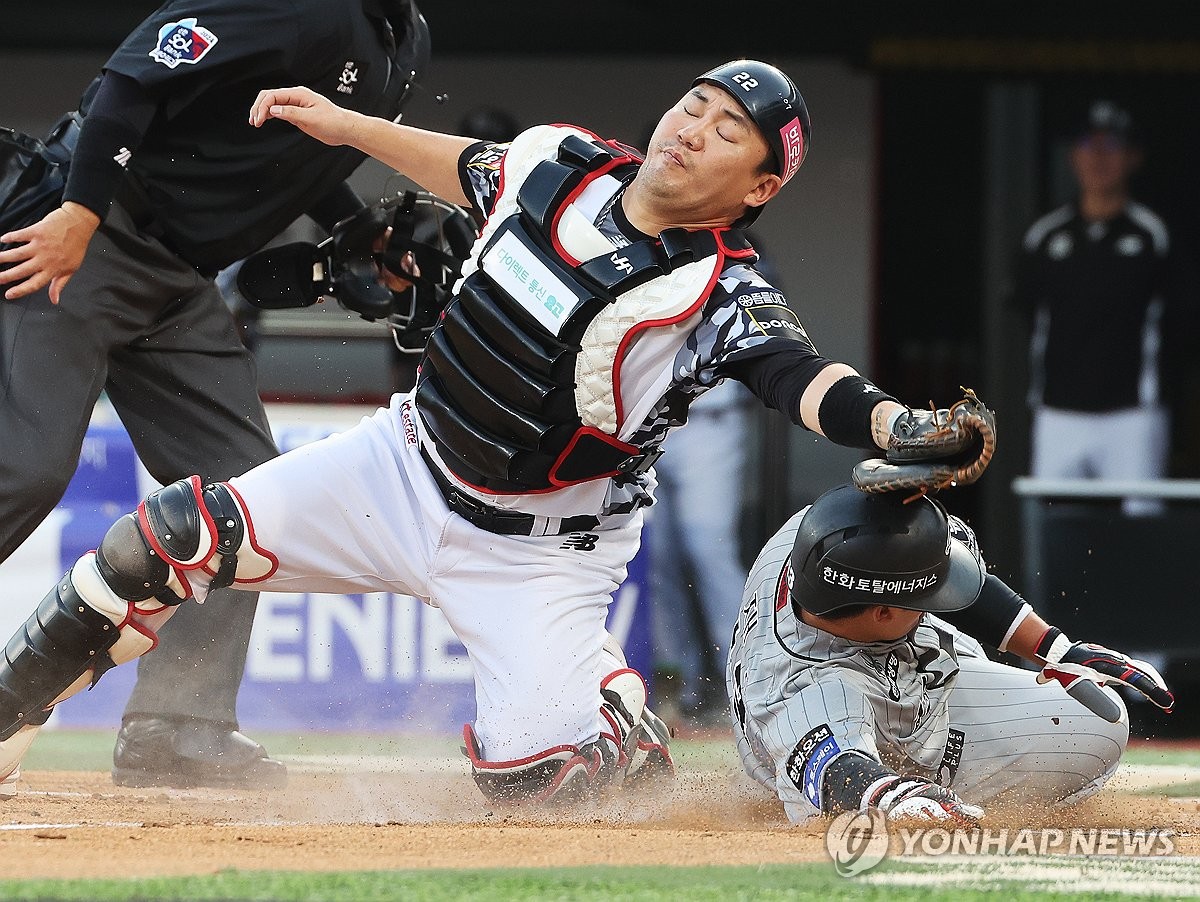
443	659
274	643
377	637
363	624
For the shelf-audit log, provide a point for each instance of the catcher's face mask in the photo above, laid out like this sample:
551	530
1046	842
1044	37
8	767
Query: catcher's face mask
437	234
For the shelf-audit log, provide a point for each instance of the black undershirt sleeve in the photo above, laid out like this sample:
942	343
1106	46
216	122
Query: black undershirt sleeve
991	616
117	120
777	378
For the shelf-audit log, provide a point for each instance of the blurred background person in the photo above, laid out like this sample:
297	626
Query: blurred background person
1096	279
1100	281
696	568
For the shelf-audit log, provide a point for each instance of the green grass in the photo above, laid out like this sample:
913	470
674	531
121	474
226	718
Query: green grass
91	750
816	882
1189	790
1140	754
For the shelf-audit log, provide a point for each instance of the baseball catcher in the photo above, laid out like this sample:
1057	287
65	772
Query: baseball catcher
606	292
858	677
933	449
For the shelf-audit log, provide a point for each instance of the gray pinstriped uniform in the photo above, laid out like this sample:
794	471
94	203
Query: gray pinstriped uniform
931	704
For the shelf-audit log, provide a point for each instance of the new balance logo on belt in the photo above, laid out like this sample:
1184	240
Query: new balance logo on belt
581	541
122	158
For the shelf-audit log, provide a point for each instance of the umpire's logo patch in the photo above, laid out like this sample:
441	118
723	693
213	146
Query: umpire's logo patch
182	42
808	760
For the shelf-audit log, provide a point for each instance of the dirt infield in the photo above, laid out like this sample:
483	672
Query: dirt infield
77	824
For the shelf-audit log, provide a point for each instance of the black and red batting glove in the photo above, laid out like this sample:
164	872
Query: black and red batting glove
1067	662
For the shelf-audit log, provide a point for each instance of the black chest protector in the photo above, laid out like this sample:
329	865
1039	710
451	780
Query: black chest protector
496	390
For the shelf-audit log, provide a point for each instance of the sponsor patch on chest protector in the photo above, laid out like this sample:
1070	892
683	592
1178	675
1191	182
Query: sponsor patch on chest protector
807	762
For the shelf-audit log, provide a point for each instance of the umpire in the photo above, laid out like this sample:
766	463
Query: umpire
113	291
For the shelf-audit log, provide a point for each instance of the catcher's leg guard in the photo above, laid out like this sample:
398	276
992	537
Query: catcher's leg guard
651	762
102	612
569	773
193	528
64	645
564	773
645	738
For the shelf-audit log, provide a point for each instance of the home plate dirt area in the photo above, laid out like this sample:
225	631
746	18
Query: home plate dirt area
366	813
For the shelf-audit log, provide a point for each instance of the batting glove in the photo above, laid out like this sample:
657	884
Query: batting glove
914	798
1067	662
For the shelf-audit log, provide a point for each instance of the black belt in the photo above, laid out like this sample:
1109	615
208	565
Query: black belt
501	522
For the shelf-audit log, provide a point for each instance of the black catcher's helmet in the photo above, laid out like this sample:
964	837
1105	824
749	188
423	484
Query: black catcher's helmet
773	102
855	548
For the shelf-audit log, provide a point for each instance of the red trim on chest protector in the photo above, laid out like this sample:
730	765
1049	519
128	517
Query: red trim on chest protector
599	435
587	180
634	331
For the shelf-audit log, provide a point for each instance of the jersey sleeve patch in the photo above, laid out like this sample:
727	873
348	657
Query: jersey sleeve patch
483	175
184	41
488	157
810	757
769	314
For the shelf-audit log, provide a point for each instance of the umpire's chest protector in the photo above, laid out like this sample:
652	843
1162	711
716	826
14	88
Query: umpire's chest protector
521	388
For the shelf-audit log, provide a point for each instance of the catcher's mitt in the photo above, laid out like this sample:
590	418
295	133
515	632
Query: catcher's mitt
933	449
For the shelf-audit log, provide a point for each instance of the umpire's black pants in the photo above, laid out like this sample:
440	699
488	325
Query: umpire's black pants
139	323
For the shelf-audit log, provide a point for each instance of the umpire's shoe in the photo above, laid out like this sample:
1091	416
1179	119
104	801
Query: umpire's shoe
187	752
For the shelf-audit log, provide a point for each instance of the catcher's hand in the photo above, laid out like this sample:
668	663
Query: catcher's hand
930	450
914	798
1067	662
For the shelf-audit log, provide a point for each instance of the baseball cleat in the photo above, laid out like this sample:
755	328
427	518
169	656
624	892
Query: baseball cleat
186	753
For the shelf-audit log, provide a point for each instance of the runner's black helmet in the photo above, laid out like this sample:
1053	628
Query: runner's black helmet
855	548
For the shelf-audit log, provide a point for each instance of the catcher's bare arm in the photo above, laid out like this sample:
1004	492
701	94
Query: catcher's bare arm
428	158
